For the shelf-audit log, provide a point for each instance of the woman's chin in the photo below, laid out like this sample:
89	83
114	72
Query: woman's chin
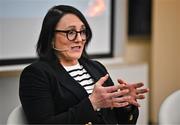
76	56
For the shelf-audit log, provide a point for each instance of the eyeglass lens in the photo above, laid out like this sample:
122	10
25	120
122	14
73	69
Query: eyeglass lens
72	34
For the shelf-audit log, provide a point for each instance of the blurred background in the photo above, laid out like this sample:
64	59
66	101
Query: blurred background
143	45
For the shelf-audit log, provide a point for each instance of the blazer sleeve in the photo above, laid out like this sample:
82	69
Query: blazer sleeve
37	101
125	115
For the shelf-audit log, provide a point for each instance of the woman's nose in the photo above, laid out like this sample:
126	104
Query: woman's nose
78	38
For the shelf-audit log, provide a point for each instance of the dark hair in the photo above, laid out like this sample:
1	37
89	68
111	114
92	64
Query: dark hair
44	45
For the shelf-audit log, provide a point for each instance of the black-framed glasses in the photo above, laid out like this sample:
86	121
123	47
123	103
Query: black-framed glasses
72	34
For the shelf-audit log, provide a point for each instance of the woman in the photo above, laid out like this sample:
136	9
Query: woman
64	86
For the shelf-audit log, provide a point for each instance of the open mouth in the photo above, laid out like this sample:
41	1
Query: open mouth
76	48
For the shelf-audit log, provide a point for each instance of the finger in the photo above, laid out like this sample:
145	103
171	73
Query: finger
118	93
123	86
140	97
121	99
102	80
126	99
118	105
142	91
138	85
110	89
121	81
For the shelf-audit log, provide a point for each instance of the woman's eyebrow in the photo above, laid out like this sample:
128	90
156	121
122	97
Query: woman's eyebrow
74	27
70	27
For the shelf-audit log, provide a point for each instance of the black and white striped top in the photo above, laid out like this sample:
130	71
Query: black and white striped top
79	73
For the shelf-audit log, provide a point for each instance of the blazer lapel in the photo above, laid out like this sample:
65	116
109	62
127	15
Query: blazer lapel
91	69
95	71
68	82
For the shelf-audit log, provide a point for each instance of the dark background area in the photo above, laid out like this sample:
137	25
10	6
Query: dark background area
139	17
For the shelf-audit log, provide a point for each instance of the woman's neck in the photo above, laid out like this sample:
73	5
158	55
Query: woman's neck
68	62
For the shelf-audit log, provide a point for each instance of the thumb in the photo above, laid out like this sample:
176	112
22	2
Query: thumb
102	80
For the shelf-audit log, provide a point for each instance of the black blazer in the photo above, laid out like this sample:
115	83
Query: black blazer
50	95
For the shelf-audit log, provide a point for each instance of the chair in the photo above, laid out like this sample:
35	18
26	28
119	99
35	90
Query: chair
17	117
169	113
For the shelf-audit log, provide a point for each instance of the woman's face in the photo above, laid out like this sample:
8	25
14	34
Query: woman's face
70	46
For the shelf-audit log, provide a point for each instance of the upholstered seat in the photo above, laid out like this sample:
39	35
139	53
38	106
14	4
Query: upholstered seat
17	117
169	113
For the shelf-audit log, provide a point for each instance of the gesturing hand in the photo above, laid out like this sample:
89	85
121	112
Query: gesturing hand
106	97
135	91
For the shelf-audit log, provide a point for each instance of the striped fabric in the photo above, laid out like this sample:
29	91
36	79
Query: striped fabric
79	73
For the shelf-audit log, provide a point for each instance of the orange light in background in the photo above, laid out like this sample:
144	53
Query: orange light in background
95	8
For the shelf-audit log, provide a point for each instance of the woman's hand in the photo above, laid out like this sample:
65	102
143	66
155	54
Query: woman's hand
135	91
108	97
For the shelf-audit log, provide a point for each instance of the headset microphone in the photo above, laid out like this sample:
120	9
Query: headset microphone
60	50
57	49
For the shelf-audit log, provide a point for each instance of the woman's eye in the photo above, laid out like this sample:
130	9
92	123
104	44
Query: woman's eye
72	32
83	32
